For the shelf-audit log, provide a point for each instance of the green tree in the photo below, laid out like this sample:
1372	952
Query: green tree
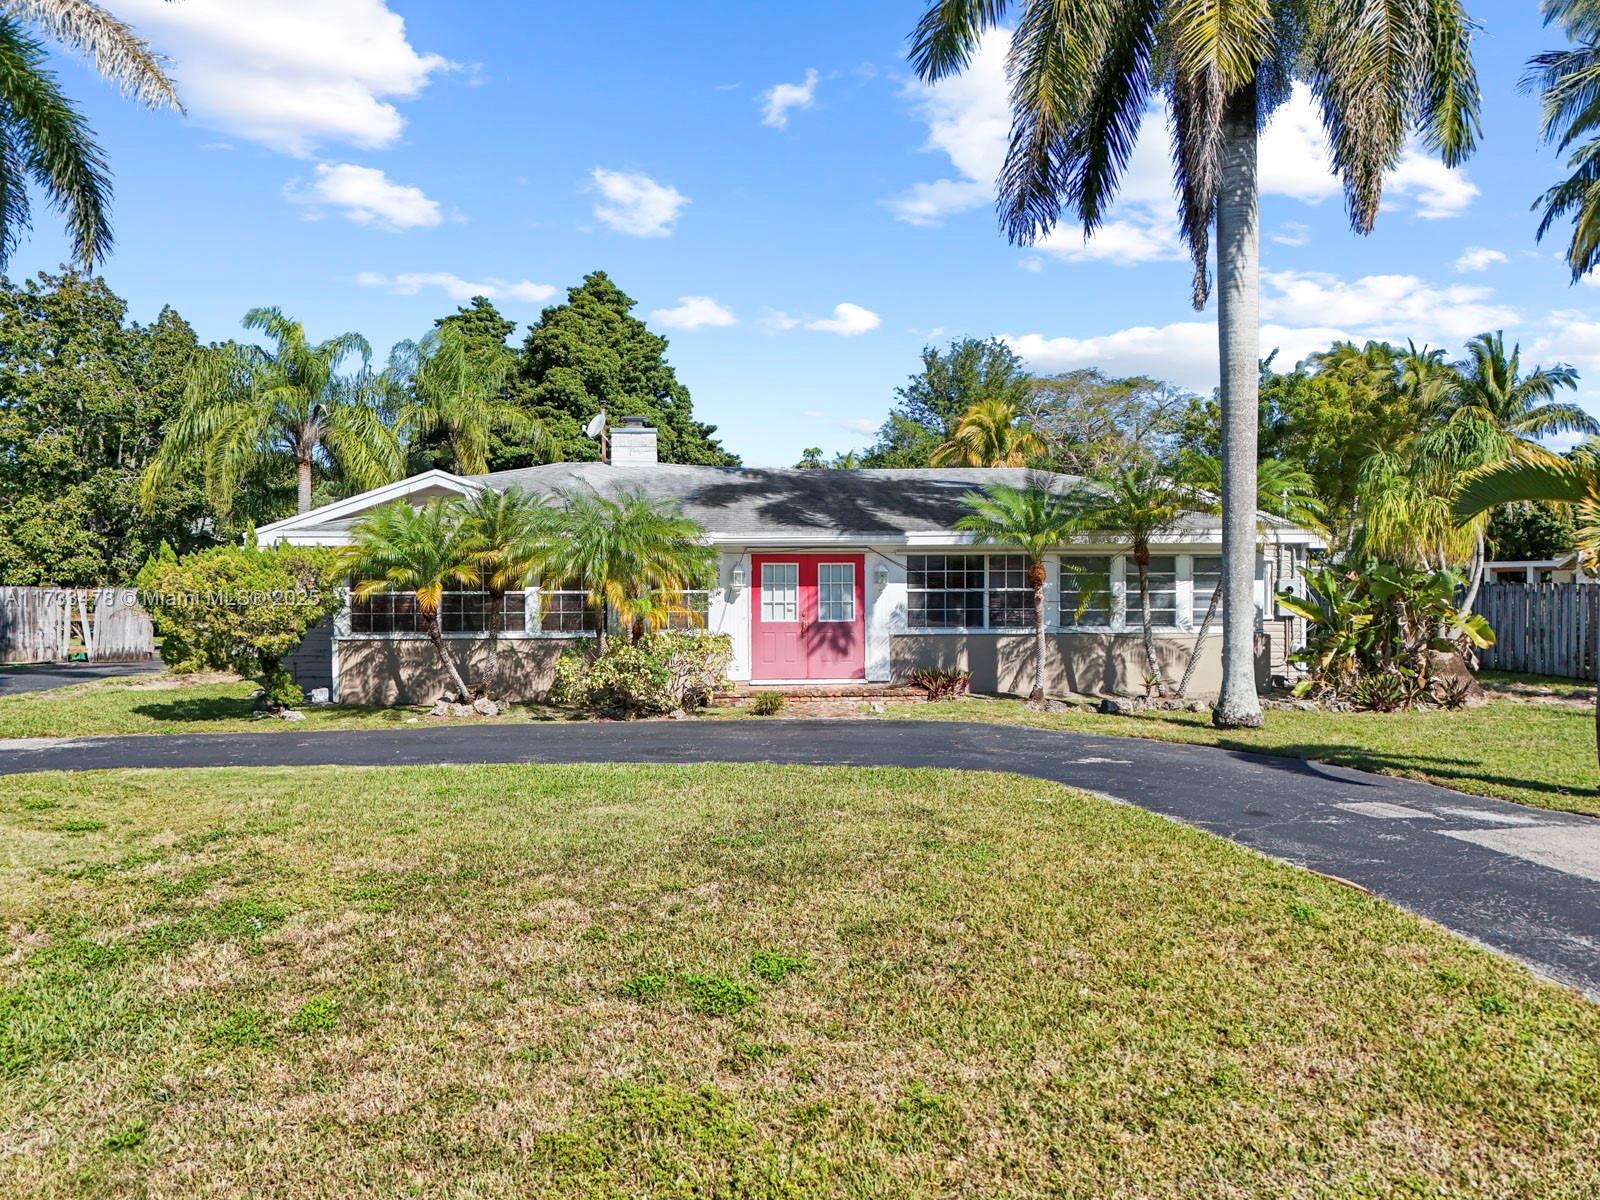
451	387
84	399
427	551
1568	82
1093	422
1083	75
1036	520
930	402
992	433
247	409
1530	531
810	459
44	140
626	552
1141	502
592	352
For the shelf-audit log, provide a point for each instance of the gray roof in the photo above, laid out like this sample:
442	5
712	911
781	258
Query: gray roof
756	502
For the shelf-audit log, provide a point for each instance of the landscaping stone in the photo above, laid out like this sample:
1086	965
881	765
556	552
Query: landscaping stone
290	714
485	707
1197	706
1120	706
318	696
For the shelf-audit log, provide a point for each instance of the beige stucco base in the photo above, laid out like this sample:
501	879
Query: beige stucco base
408	671
1086	663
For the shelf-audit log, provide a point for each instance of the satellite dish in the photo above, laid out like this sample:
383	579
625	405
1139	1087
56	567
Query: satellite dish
595	425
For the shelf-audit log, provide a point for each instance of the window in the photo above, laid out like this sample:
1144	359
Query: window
1207	578
459	612
944	591
780	592
687	610
1086	589
1010	597
1163	585
836	591
566	609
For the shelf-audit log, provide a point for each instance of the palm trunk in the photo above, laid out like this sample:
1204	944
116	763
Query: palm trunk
1239	343
1036	571
303	485
1199	644
600	633
1151	670
1475	577
436	636
491	669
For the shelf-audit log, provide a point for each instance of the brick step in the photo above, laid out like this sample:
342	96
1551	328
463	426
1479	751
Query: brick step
798	694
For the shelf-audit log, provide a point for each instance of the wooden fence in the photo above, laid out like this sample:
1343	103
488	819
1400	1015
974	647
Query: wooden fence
1541	628
49	624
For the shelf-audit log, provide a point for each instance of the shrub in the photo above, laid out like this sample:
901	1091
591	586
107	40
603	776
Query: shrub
767	704
656	674
240	608
941	684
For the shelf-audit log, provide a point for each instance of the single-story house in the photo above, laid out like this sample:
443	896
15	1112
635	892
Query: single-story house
825	576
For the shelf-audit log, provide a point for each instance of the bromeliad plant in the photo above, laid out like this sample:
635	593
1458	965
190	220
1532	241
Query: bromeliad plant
1371	631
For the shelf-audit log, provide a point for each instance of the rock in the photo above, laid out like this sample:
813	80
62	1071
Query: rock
1450	670
678	714
440	709
461	710
876	706
1120	706
291	714
1197	706
485	707
411	720
318	696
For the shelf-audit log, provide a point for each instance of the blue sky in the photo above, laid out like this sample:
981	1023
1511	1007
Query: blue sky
786	205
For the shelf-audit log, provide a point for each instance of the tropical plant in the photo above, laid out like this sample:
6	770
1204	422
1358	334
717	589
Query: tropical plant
992	433
1140	502
656	674
1035	519
510	531
45	139
626	550
1574	482
1568	82
426	550
247	408
453	386
1380	621
940	683
1083	75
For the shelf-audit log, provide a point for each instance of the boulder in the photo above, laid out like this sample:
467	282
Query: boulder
1120	706
485	707
1449	669
290	714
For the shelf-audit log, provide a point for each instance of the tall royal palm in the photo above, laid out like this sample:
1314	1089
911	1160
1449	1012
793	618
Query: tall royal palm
43	138
1568	82
1083	75
248	407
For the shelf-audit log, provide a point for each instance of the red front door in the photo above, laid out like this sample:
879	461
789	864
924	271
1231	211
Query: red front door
807	617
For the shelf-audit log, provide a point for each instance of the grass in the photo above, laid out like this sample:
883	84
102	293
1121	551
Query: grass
737	981
1536	754
160	704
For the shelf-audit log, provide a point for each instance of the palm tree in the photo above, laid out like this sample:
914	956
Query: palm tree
426	550
511	532
452	387
45	138
1574	481
991	433
626	550
1083	74
1568	82
246	407
1140	502
1036	520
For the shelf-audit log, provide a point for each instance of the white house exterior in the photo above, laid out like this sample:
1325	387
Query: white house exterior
825	577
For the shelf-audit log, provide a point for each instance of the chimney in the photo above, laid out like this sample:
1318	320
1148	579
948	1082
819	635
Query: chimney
633	441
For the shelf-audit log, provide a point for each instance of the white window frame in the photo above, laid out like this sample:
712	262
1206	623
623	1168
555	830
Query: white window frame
849	595
767	591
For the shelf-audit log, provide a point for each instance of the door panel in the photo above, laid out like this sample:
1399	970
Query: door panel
807	617
775	626
836	639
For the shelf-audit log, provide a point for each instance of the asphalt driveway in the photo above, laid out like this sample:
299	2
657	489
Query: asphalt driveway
1523	881
16	678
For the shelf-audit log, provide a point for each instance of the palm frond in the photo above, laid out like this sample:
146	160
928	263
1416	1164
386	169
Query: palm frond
119	54
944	40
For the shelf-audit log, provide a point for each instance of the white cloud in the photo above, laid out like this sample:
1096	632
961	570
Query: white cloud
293	74
1440	191
366	196
410	283
1292	233
860	425
1478	258
780	98
636	204
848	320
1569	337
1382	305
1148	236
693	312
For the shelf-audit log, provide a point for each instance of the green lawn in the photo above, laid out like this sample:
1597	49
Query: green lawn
737	981
1538	754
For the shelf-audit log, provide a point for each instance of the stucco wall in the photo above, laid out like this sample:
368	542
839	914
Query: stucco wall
408	671
1087	663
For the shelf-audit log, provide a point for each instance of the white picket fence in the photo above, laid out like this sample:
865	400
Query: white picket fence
49	624
1541	628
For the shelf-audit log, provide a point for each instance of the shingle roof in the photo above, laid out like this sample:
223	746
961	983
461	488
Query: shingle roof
736	502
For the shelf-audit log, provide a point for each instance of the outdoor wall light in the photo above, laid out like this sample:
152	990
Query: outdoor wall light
736	579
880	576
